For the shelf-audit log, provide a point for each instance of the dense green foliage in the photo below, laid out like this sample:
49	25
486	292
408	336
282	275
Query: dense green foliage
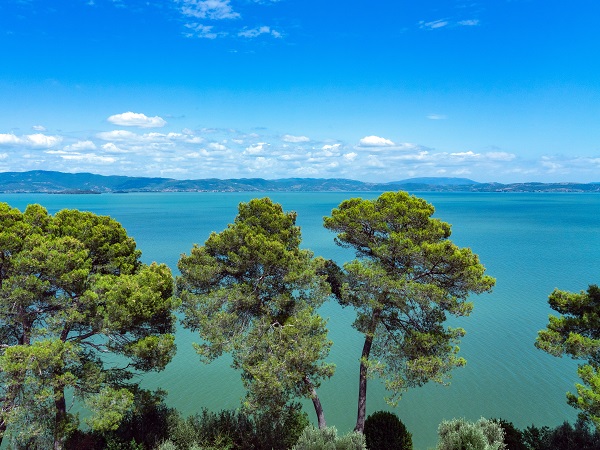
513	437
72	289
563	437
385	431
252	292
576	332
327	439
150	424
408	276
459	434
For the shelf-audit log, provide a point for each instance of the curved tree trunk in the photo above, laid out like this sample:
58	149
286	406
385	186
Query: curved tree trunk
362	385
362	381
316	403
60	419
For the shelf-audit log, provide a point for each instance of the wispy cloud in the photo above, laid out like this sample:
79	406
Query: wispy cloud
90	158
469	22
294	139
436	117
131	119
433	24
255	32
81	145
201	31
212	19
208	9
444	23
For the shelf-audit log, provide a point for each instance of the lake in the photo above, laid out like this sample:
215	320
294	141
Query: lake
531	243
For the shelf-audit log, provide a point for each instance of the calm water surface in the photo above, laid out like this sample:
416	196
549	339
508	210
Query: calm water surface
531	243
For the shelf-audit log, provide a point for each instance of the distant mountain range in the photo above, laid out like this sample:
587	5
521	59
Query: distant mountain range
40	181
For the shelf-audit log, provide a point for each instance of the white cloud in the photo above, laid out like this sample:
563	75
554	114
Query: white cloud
110	147
375	141
374	161
90	158
198	154
9	139
201	31
261	163
294	139
433	24
217	146
131	119
56	152
256	149
31	140
500	156
350	156
42	140
468	154
81	145
39	128
420	156
469	23
436	117
117	135
254	32
208	9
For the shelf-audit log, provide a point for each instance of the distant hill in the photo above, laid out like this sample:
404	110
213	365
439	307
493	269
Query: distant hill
59	182
437	181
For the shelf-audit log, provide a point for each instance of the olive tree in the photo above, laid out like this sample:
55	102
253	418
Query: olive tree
252	292
406	279
78	311
459	434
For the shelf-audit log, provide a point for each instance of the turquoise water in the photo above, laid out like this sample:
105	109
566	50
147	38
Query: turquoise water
531	243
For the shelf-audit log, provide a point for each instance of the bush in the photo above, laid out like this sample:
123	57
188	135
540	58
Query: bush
458	434
563	437
326	439
142	428
384	430
237	430
513	437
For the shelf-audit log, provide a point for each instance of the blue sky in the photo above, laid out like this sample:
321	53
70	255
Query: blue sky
503	90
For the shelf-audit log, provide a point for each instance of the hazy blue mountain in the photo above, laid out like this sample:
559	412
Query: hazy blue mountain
59	182
437	181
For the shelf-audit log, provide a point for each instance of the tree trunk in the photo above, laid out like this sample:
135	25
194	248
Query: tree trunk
362	385
2	431
60	419
317	404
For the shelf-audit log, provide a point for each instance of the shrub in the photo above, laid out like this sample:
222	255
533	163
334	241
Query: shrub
237	430
384	430
458	434
327	439
513	437
563	437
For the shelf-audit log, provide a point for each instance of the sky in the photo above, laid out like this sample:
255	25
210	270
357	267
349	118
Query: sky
381	90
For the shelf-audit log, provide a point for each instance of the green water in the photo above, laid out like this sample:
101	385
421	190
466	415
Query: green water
531	243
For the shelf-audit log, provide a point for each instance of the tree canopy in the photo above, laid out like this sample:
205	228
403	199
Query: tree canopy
72	292
406	278
252	292
576	332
